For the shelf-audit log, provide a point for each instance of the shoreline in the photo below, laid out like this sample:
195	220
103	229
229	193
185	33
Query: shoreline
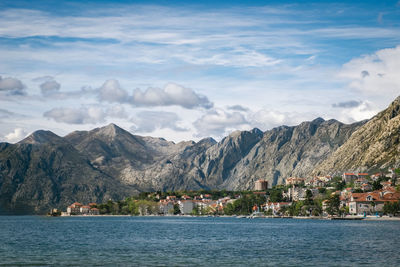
348	218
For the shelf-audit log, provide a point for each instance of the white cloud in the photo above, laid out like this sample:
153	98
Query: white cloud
347	104
375	74
218	122
83	115
238	108
49	87
12	86
15	136
149	121
266	119
362	111
111	91
172	94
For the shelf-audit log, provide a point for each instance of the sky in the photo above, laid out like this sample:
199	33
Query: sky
186	70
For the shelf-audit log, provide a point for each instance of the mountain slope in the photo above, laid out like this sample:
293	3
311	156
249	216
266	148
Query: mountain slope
374	145
36	177
289	151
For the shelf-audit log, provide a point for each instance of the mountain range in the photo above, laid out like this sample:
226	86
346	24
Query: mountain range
45	170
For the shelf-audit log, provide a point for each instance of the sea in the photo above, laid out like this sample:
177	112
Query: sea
196	241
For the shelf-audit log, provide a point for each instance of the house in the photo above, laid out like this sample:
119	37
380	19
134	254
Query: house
260	185
359	182
74	208
362	175
386	185
85	210
205	196
371	202
276	206
94	211
294	181
186	197
366	187
166	207
376	176
316	182
349	177
296	193
325	207
186	206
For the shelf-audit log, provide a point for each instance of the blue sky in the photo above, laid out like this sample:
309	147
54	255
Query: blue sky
186	71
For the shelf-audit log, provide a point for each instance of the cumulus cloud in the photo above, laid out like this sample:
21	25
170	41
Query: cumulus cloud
12	86
149	121
347	104
83	115
364	110
50	87
172	94
266	119
238	108
16	135
111	91
377	74
218	122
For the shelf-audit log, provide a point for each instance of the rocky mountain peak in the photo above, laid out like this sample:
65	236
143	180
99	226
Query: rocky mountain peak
42	137
394	109
110	131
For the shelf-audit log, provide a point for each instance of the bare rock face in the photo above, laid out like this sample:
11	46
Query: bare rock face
375	145
289	151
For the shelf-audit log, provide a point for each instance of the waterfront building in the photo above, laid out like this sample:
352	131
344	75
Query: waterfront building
186	206
166	207
371	202
74	208
85	210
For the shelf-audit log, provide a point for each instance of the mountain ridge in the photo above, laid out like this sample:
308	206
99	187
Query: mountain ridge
45	170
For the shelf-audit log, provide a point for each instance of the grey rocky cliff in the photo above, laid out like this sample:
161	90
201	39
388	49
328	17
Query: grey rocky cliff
373	146
289	151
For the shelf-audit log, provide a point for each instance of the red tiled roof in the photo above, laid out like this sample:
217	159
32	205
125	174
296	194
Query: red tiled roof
377	196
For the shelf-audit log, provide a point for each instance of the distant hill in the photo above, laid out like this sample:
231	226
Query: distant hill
45	170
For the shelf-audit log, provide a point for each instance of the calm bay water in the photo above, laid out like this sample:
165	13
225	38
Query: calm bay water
177	241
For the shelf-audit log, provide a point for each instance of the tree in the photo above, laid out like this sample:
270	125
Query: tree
177	210
376	185
333	205
391	208
309	198
276	195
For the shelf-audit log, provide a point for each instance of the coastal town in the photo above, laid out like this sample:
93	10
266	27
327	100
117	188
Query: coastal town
351	195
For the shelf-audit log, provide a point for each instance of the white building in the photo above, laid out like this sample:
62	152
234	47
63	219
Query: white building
186	206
